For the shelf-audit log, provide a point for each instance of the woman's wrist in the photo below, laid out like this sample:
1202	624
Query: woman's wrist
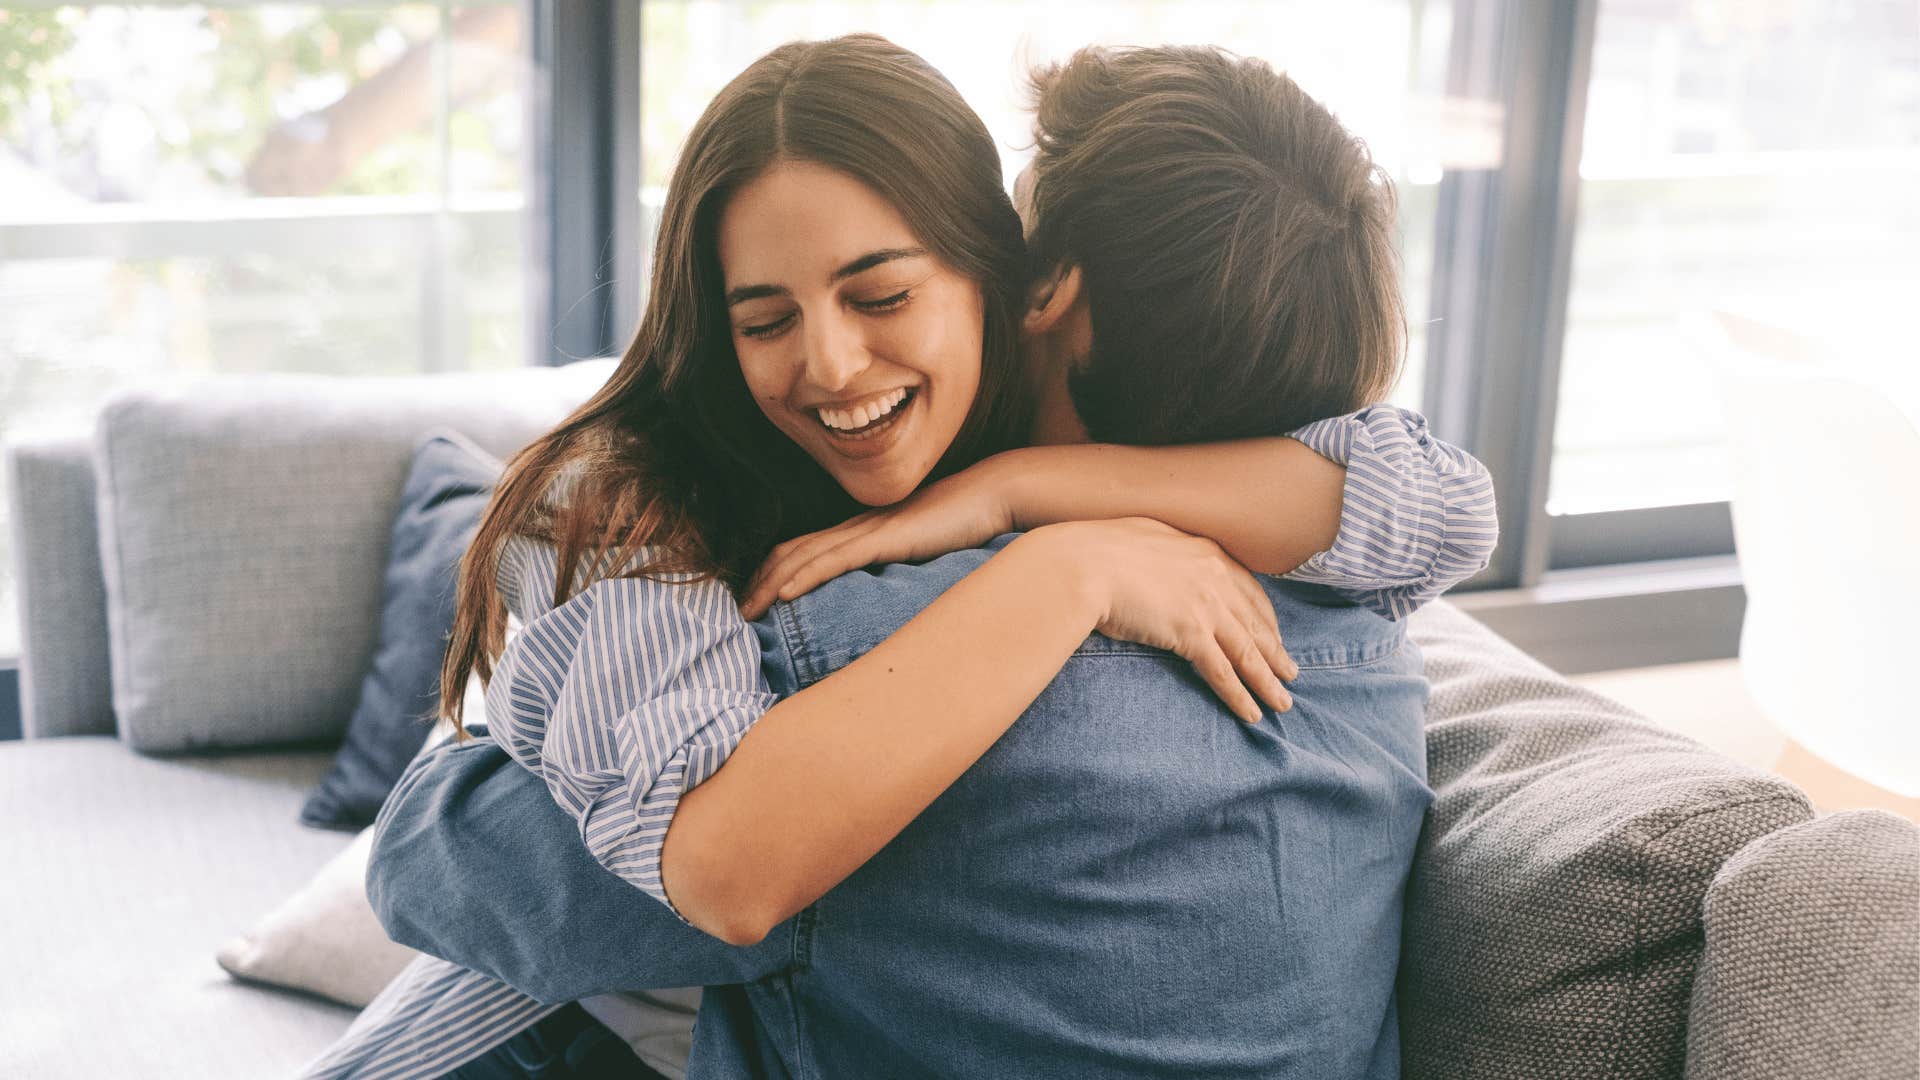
1058	554
1003	477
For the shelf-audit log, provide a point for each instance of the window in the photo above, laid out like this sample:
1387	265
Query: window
253	187
1762	160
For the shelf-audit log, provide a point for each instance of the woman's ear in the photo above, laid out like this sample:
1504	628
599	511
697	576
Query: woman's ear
1051	298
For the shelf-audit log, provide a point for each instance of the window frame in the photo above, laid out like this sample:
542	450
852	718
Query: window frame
583	181
1583	592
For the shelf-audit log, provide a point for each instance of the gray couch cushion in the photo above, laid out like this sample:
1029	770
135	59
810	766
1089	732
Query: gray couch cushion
1813	940
243	529
1553	914
122	876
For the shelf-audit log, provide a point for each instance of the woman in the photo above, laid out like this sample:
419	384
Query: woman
836	247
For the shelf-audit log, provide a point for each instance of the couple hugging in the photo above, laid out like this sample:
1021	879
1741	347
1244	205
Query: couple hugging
1093	749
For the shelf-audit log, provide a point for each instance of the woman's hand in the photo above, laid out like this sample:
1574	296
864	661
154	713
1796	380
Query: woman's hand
1161	587
962	511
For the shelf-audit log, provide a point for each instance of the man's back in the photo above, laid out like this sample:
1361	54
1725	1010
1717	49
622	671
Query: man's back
1130	882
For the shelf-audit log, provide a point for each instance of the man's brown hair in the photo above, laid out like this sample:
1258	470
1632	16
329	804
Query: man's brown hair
1236	245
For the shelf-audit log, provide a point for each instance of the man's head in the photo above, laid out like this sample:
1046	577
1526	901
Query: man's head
1213	252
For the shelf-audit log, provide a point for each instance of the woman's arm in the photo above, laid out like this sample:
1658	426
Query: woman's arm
1368	503
830	775
1271	503
627	697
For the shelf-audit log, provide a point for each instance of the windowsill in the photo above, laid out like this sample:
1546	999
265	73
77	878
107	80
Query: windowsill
1605	618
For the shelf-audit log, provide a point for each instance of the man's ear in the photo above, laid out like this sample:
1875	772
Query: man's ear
1051	297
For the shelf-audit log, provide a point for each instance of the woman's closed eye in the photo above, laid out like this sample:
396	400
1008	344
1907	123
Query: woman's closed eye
767	329
879	305
885	303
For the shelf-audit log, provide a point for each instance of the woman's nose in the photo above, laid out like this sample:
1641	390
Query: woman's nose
836	354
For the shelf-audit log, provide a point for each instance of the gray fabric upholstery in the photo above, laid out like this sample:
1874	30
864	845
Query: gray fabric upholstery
63	606
1553	914
1812	964
243	531
122	876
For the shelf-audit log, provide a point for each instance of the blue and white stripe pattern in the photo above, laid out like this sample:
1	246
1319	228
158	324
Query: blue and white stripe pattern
1418	514
622	699
432	1018
635	690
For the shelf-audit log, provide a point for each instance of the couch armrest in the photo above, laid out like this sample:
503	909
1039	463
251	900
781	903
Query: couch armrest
65	684
1812	962
1553	921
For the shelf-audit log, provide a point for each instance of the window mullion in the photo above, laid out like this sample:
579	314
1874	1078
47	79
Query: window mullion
1505	301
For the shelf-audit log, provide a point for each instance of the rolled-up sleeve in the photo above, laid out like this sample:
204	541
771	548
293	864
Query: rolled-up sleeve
622	699
1417	515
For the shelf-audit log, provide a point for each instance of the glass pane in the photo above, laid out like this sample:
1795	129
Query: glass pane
1379	65
253	187
1759	159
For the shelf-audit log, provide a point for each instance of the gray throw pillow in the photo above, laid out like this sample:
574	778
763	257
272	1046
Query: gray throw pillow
1553	920
244	524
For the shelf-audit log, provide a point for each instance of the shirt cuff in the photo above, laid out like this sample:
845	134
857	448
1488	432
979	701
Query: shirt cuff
625	823
1417	514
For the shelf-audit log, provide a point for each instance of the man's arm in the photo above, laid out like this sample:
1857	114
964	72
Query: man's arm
473	862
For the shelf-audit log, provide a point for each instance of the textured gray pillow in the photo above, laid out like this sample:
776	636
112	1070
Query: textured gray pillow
1553	920
244	524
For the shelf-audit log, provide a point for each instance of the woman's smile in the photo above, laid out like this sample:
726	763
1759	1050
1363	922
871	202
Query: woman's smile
871	427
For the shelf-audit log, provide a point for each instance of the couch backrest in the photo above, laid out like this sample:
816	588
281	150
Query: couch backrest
205	569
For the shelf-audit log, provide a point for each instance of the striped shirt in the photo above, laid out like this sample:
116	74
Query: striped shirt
634	691
1416	516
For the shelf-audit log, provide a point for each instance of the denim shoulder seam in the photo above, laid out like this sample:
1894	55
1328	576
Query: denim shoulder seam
806	669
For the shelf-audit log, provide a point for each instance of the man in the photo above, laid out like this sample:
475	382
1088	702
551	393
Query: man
1111	890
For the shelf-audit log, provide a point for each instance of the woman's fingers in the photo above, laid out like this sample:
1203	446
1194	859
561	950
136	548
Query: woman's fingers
1267	627
796	567
1266	637
1213	667
765	587
850	555
1247	634
1255	668
1277	659
1258	600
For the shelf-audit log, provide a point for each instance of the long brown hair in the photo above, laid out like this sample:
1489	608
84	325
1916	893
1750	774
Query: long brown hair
672	455
1237	245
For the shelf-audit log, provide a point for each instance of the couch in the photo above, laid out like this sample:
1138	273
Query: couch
200	577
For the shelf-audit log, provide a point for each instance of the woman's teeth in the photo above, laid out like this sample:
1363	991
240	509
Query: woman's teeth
861	416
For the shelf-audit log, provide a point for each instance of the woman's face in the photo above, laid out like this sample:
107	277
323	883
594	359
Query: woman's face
855	341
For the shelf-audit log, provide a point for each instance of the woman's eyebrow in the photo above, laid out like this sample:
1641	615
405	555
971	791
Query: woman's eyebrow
858	266
874	258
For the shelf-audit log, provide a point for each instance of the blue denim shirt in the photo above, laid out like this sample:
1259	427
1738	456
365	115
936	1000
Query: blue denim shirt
1129	883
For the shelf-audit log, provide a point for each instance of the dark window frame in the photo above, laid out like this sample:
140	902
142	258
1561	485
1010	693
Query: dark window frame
583	178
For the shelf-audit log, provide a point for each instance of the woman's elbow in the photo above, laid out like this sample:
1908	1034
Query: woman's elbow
716	891
742	932
730	912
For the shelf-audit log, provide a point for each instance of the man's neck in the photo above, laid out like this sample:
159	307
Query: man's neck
1055	421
